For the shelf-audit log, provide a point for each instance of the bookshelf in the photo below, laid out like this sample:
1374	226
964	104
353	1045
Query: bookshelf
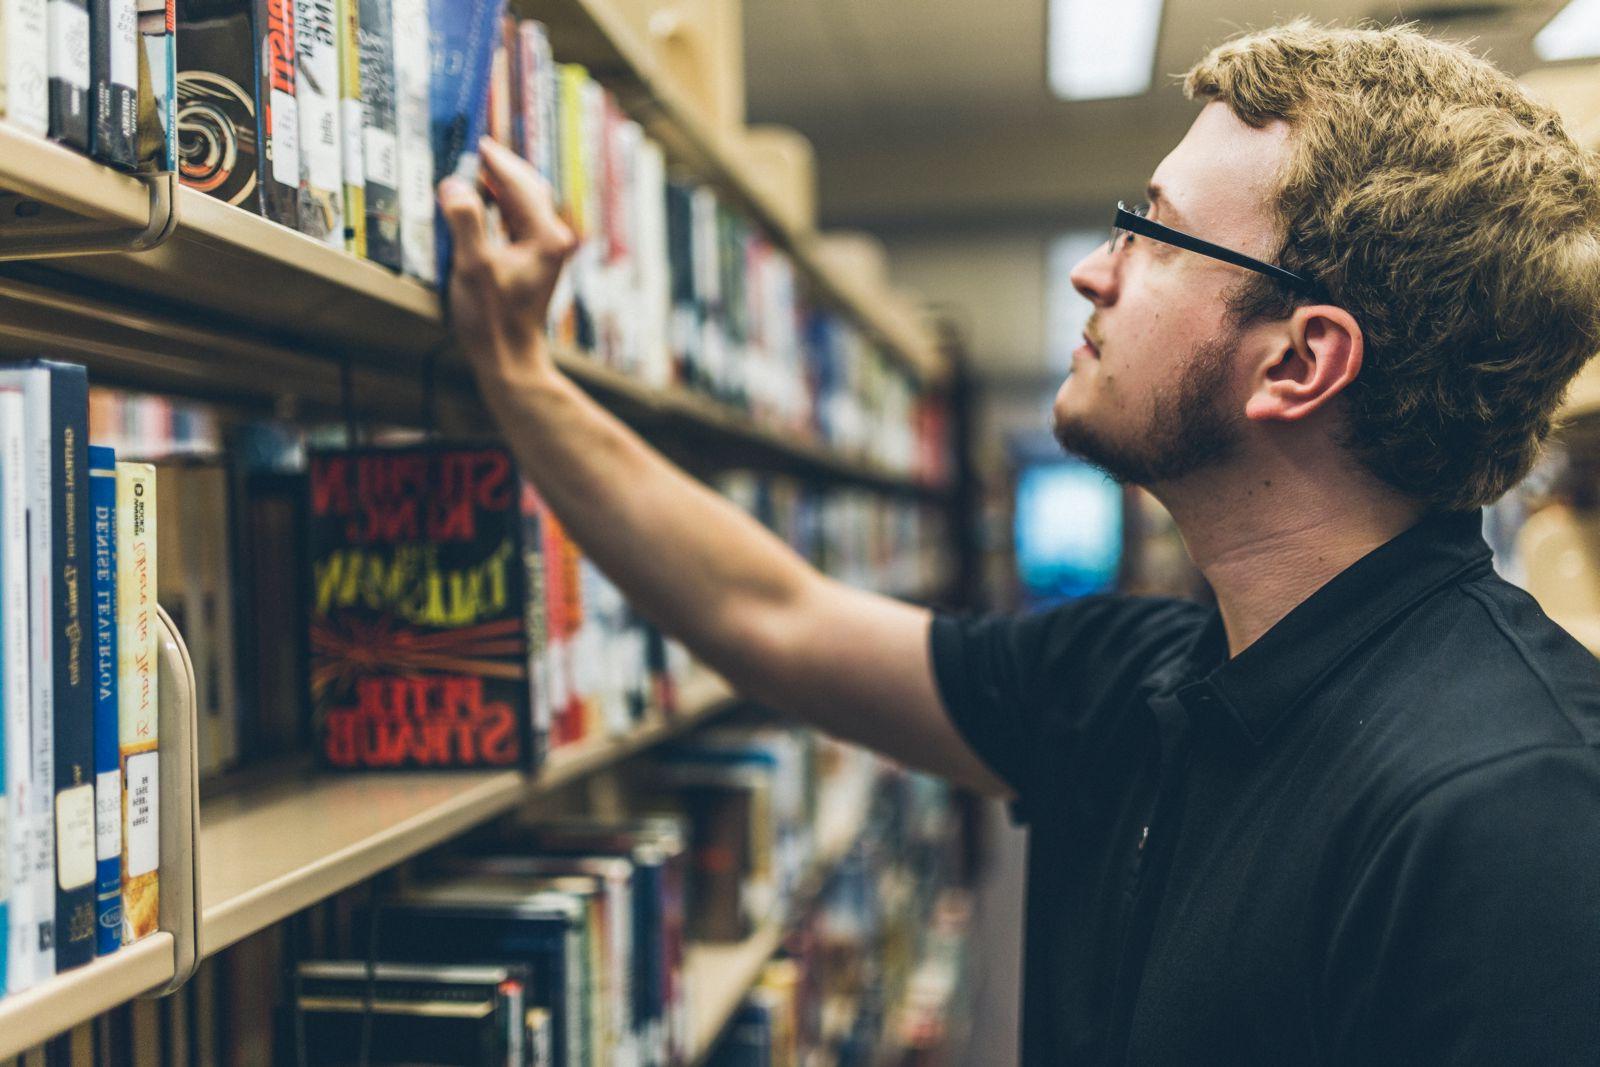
347	828
719	975
237	310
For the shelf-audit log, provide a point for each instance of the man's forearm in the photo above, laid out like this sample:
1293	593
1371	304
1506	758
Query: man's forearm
687	558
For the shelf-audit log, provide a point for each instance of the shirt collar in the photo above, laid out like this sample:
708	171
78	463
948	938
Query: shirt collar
1257	688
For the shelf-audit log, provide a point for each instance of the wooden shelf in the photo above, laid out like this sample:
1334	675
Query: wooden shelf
36	1015
720	974
597	35
267	852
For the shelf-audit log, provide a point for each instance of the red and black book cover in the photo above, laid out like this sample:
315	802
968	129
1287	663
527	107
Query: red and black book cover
419	654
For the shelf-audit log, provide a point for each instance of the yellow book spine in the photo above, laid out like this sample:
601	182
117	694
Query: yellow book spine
137	698
352	123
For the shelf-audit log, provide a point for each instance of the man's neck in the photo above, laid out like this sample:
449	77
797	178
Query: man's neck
1265	544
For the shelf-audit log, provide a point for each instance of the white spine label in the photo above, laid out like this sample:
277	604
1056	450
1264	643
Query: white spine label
144	833
75	836
353	129
69	43
285	137
125	43
108	814
382	167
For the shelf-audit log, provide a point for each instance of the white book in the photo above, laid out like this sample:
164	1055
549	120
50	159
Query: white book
40	814
18	858
24	66
138	698
655	279
317	92
413	85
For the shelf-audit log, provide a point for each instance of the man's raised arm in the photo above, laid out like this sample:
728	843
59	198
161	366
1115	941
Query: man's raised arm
850	662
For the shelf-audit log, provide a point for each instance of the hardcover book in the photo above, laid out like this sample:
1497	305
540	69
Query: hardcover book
25	75
465	33
107	765
158	85
417	636
114	80
318	96
69	72
411	1013
218	143
380	151
352	127
137	629
544	932
278	110
16	899
56	421
413	79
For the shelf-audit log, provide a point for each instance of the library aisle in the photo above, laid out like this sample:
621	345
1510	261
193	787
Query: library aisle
356	710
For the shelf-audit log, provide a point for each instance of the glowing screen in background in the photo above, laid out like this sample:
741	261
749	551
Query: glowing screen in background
1068	530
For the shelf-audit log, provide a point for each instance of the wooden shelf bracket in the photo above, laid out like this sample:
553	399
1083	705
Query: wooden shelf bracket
35	230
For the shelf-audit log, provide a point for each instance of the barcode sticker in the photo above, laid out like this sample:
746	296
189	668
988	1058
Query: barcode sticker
142	798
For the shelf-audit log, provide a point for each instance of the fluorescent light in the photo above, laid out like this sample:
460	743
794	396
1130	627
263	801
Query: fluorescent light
1100	50
1573	34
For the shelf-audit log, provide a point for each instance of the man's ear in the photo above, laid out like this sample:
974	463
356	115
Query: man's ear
1317	354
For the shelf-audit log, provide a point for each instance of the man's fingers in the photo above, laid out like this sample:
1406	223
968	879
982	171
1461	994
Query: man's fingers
527	206
463	212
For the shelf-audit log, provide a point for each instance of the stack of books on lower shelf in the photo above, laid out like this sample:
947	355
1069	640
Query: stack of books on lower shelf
79	781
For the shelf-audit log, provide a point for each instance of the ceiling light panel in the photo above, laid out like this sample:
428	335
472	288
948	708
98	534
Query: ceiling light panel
1099	51
1573	34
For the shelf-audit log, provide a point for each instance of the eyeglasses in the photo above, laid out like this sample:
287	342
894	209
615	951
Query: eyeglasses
1128	223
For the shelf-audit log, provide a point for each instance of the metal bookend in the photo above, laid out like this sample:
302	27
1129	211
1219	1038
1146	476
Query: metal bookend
179	803
37	231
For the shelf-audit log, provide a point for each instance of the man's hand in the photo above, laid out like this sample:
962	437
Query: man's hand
499	296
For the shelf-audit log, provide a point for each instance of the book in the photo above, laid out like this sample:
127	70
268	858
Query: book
352	126
464	35
538	99
413	72
107	761
157	103
55	396
275	48
417	635
219	144
69	72
14	840
458	921
411	1013
379	148
318	97
114	81
137	697
24	73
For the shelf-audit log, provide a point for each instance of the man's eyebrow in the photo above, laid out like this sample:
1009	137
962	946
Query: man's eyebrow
1169	216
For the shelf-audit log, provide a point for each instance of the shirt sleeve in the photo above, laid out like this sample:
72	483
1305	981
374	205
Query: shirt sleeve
1025	690
1473	934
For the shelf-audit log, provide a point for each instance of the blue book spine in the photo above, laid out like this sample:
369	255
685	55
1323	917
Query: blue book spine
73	692
464	33
107	770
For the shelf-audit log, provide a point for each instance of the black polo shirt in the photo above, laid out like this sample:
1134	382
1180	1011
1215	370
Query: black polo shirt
1371	837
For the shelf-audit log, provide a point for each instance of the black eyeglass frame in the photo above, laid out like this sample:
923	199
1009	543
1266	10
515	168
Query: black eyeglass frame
1127	221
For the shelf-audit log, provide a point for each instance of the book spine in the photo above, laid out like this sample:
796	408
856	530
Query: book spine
219	138
413	78
69	72
137	697
352	124
114	77
464	36
318	99
107	769
13	682
156	105
537	634
379	150
277	110
73	662
26	72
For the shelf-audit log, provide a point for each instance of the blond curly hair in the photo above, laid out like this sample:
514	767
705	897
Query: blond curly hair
1446	209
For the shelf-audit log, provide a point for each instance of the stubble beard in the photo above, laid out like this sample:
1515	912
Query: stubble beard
1190	429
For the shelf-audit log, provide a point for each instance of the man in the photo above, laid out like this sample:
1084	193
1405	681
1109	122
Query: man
1353	814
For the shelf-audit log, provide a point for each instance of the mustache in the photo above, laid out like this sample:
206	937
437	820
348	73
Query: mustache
1091	330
